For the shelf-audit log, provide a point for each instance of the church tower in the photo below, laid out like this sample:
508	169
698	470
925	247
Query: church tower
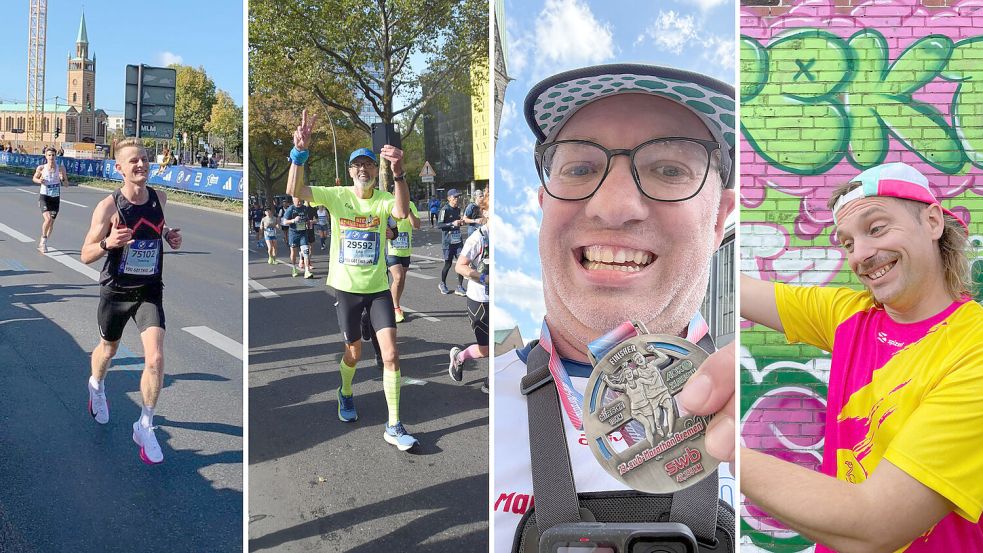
82	86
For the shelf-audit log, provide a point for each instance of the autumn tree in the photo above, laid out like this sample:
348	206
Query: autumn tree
225	121
193	100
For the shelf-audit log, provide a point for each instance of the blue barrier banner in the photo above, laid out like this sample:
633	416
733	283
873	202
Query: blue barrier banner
213	182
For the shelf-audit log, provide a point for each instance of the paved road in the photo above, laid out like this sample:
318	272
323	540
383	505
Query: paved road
69	484
318	484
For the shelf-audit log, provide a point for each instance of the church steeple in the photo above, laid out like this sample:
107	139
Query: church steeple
82	41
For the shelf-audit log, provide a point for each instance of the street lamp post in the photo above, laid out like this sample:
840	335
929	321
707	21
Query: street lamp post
334	140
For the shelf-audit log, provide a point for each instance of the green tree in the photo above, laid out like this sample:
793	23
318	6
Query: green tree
226	122
354	53
193	100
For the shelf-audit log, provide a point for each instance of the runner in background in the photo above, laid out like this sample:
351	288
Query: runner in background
398	257
51	176
268	228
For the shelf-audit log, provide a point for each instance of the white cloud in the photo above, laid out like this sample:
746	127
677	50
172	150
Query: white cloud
517	47
522	291
167	58
707	5
721	51
508	177
508	239
501	319
671	31
567	33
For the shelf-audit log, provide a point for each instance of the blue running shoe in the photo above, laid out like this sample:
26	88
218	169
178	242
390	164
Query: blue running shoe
443	288
398	436
346	407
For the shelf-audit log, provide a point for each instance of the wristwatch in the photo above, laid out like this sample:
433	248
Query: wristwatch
102	244
401	176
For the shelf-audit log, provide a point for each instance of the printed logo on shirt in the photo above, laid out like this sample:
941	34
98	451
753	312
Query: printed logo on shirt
361	222
514	502
882	338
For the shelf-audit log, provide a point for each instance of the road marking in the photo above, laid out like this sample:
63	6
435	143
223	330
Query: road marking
14	234
35	192
73	264
412	382
427	257
224	343
12	265
263	290
421	314
8	321
420	275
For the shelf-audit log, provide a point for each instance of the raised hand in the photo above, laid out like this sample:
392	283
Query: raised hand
395	157
119	235
302	136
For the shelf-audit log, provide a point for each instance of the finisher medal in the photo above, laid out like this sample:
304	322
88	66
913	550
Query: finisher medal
633	425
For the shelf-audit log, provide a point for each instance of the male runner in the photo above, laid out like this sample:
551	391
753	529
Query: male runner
398	257
51	176
296	217
472	213
434	208
449	222
128	228
357	271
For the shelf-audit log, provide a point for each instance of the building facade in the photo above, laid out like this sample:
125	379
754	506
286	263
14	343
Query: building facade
75	119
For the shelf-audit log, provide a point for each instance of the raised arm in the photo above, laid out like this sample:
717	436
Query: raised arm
758	302
296	185
401	191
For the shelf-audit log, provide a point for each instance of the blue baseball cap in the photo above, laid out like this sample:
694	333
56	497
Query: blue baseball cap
362	152
453	192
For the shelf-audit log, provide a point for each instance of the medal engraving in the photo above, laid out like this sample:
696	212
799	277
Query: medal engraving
634	426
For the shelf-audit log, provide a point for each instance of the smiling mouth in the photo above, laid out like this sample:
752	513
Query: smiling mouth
881	272
613	258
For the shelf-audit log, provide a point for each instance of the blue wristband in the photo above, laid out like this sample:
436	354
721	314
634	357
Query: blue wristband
298	157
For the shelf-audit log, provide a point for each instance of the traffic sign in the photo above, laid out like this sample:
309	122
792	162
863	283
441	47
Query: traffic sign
427	171
150	91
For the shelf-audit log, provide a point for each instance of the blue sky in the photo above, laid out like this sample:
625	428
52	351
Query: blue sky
196	33
549	36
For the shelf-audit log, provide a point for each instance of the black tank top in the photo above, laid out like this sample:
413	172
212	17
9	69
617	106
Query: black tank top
140	264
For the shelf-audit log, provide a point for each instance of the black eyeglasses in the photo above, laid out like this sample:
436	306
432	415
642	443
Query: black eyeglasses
671	169
363	165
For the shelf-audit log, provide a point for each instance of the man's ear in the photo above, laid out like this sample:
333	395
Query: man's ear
934	218
727	200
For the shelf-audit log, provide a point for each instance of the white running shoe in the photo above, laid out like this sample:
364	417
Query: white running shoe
43	245
98	404
150	452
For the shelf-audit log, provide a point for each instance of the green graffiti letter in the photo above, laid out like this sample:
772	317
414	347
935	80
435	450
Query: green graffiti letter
794	118
966	65
879	102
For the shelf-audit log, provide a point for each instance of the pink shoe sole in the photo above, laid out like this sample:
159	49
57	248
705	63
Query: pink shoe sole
143	456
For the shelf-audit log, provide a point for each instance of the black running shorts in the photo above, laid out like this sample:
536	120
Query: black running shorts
350	308
478	314
49	204
117	306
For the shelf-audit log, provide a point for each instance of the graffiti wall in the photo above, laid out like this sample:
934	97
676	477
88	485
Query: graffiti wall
830	88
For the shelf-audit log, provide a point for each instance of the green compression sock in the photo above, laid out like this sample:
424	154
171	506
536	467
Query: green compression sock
347	375
390	385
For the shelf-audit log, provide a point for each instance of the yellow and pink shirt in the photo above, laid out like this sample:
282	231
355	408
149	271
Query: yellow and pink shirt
909	393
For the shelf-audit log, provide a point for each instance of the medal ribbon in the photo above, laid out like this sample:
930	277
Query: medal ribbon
572	400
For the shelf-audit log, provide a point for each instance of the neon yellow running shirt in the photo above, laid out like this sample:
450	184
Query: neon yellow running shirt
402	246
358	233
